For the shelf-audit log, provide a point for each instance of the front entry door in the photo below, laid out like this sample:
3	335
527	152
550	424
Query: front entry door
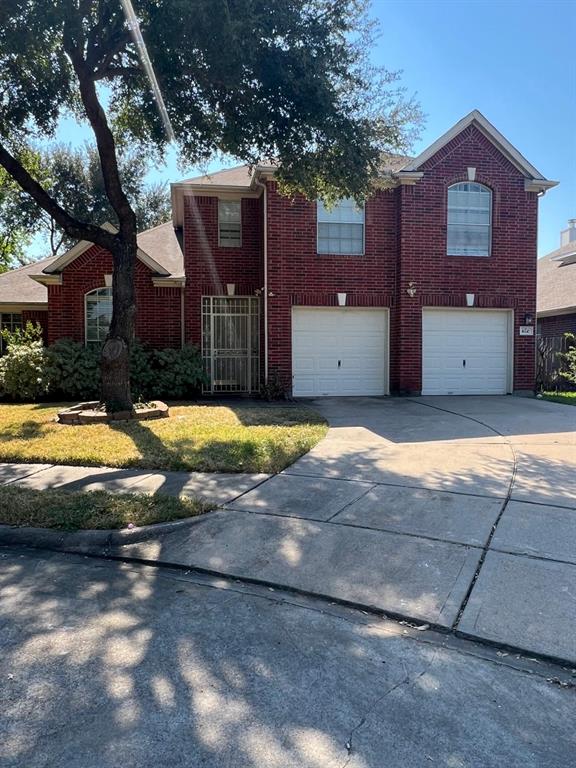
231	343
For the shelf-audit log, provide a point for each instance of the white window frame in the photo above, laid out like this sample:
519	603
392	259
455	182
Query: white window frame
449	251
94	296
223	222
323	217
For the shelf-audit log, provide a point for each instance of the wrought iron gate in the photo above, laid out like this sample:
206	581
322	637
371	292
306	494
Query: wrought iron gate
231	343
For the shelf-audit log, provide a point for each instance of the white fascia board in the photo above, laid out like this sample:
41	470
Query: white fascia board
565	260
168	282
553	312
408	177
477	118
45	279
541	186
19	306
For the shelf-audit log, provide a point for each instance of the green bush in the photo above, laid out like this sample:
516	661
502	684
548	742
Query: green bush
23	374
69	370
178	372
569	359
142	374
73	371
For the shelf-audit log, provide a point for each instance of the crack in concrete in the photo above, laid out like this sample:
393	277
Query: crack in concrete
406	680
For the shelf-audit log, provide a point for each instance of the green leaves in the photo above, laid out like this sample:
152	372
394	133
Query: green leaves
253	79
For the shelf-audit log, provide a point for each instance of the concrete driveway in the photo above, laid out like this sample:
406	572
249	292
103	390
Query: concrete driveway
459	512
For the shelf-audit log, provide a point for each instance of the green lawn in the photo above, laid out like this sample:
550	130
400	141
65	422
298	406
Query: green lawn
69	511
567	398
206	438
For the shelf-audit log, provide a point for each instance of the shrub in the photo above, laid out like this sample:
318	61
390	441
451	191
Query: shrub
70	370
73	371
178	372
142	374
277	387
23	373
569	359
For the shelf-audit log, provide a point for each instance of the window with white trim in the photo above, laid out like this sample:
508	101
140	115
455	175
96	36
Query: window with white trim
469	219
341	228
229	223
98	315
9	321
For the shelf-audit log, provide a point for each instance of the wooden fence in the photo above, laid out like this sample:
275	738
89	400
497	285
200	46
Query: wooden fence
549	363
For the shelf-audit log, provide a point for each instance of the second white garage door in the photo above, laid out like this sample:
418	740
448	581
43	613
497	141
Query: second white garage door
339	351
465	352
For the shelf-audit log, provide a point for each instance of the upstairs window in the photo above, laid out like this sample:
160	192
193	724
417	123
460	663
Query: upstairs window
98	315
229	224
341	228
469	219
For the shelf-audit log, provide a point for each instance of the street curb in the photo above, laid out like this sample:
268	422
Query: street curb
90	541
107	545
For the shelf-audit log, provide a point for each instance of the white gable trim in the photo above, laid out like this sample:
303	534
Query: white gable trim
83	245
484	126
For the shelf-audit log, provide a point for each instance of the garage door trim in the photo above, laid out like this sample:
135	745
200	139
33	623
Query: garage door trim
477	310
331	308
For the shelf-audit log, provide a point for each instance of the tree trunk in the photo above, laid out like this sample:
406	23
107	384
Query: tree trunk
115	358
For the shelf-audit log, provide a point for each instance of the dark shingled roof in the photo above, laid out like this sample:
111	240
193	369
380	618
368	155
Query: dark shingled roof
556	281
17	287
240	175
164	244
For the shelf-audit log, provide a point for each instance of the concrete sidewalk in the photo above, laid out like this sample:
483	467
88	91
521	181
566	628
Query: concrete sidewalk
217	488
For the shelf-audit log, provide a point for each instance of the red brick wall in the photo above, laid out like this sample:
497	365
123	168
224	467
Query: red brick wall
557	325
506	279
209	268
406	241
297	275
158	309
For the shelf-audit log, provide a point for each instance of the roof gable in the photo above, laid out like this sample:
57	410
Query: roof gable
56	266
477	119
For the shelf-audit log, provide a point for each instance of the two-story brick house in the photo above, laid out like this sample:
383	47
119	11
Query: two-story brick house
429	287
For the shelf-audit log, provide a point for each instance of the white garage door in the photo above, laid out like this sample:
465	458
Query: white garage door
339	351
465	352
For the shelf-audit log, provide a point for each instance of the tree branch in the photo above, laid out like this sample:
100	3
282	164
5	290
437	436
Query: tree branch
74	228
104	137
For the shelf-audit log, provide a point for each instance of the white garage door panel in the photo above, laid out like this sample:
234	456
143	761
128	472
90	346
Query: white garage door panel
355	337
480	338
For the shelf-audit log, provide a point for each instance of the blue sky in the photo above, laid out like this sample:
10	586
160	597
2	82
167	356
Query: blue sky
511	59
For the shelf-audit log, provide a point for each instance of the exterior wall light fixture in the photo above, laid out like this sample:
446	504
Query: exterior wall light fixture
411	290
341	299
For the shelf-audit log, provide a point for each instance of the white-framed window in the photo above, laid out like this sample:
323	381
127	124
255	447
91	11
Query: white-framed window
9	321
229	223
98	309
469	219
341	228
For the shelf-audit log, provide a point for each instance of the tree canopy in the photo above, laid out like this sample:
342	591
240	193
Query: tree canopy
286	80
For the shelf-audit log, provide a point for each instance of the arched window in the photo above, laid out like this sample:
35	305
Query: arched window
469	219
98	315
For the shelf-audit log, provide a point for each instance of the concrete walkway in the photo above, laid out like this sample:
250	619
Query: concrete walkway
455	512
218	488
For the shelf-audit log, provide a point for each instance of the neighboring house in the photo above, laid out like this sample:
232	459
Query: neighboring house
556	305
427	288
